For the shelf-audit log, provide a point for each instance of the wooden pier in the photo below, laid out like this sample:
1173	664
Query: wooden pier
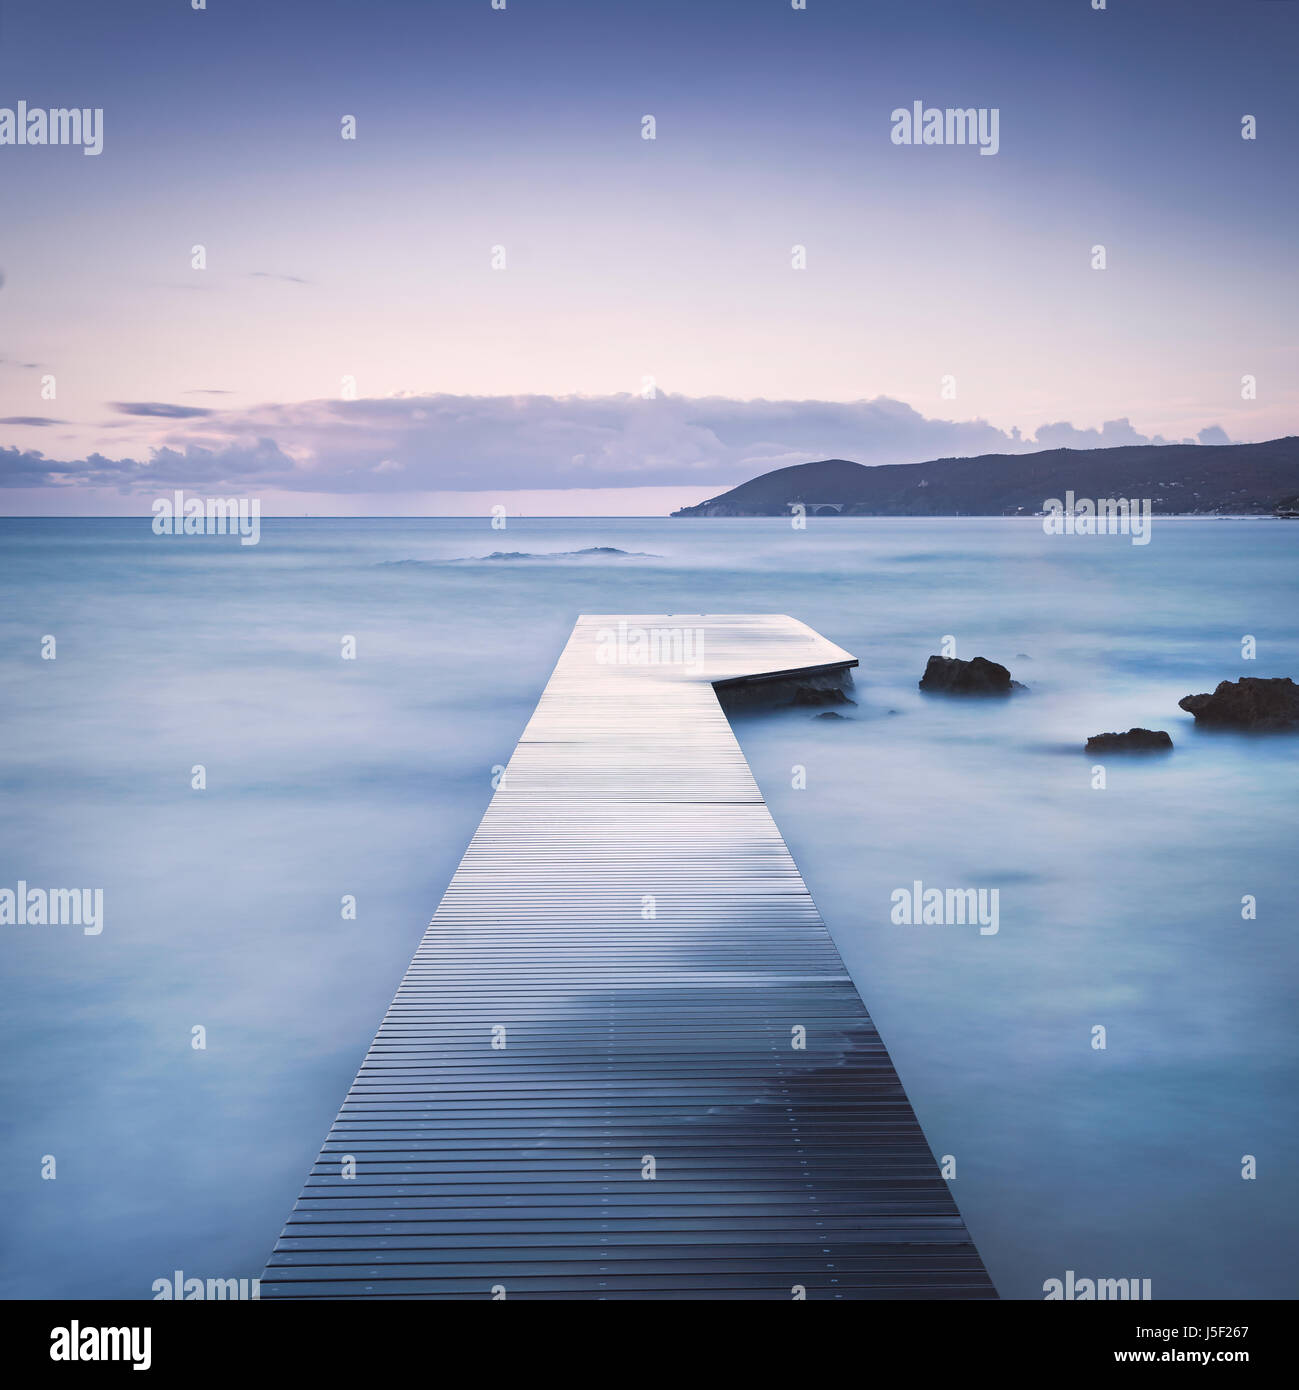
590	1084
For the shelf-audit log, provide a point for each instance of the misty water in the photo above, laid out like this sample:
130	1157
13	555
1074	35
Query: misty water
1119	907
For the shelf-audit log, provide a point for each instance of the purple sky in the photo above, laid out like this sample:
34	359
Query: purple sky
949	303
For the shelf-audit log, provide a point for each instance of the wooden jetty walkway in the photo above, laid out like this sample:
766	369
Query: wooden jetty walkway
587	1086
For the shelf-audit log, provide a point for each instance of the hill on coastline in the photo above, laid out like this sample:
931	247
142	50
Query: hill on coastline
1204	479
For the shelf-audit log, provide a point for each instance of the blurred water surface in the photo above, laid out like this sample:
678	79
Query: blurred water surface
328	777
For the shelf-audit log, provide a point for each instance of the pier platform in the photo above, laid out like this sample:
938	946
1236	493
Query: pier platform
626	1061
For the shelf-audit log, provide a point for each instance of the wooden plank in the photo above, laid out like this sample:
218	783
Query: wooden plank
628	913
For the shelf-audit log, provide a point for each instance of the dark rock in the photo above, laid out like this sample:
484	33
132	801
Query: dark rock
829	714
977	677
1253	702
1134	741
748	696
809	695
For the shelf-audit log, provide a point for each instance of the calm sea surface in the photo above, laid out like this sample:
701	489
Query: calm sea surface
1119	907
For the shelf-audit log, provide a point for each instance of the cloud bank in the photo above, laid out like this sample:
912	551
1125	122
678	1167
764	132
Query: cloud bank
471	443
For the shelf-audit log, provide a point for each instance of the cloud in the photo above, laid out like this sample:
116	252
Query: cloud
271	275
159	410
31	421
1111	435
1115	433
470	443
466	443
260	464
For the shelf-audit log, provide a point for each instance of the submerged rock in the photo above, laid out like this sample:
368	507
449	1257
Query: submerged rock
829	714
749	696
1253	702
979	676
808	695
1134	741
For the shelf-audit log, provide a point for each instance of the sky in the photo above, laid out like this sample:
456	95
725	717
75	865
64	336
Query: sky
500	293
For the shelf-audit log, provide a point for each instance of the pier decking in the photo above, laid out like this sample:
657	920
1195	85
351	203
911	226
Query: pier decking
587	1085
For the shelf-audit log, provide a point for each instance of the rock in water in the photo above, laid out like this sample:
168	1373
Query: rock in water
1253	702
817	695
977	677
1134	741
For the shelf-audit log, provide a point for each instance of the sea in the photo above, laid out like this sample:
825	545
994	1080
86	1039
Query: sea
1110	1076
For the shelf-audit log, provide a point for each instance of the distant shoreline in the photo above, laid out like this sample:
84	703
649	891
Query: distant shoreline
1216	479
659	516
